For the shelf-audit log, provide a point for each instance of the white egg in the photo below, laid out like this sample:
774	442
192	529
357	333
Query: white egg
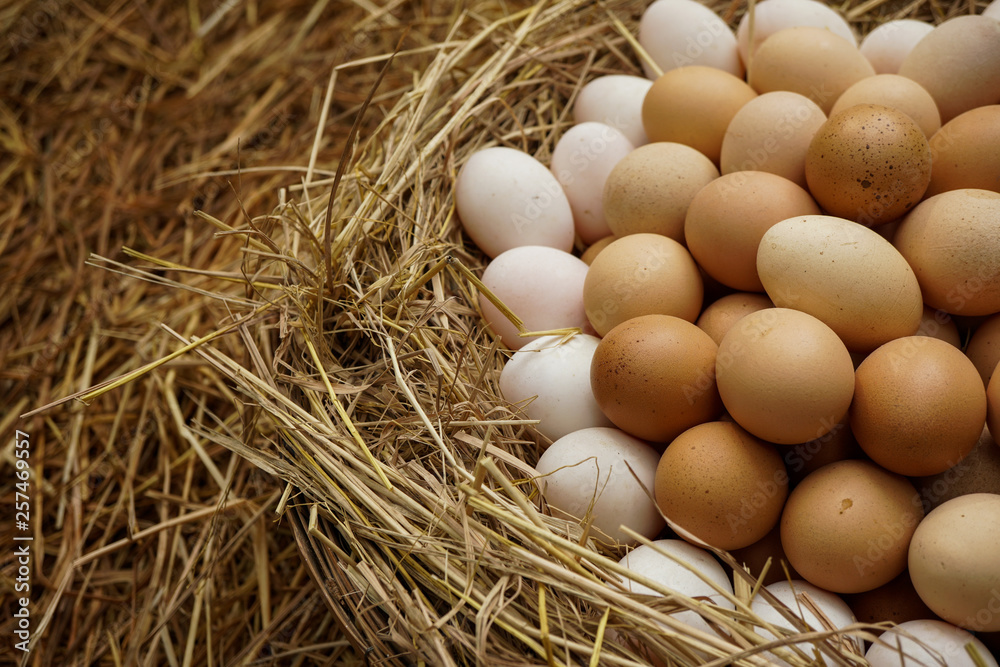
679	33
591	470
770	16
506	198
792	595
945	641
541	285
887	46
615	100
551	376
650	563
581	162
993	10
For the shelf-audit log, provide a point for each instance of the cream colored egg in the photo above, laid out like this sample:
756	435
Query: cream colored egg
896	92
677	33
887	46
615	100
771	16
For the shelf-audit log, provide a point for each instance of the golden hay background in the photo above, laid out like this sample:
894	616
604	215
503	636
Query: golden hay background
119	121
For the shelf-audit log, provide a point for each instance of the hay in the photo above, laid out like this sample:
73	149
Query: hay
306	459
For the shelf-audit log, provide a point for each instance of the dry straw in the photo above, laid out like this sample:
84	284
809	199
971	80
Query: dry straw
352	369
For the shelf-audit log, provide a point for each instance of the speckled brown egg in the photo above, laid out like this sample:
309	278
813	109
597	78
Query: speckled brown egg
919	406
869	163
720	315
847	526
654	377
965	152
721	484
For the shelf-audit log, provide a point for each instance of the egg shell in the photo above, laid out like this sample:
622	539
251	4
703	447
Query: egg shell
896	601
720	315
728	217
588	255
581	161
939	324
978	472
542	286
654	377
993	406
958	62
896	92
919	406
678	33
772	133
506	198
845	274
799	597
926	642
847	526
693	106
888	44
606	473
650	189
615	100
772	16
954	563
868	163
721	484
784	376
755	557
984	348
839	444
965	280
993	10
551	378
810	61
641	274
965	152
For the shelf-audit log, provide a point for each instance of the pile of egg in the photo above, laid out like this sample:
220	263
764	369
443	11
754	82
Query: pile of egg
788	311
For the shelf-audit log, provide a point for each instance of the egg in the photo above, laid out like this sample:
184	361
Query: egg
615	100
810	61
677	33
784	376
581	162
978	472
984	348
896	601
720	315
588	255
721	485
844	274
919	406
958	62
506	198
771	16
896	92
965	280
693	106
847	526
993	406
602	474
939	324
922	642
887	45
755	557
728	217
641	274
993	10
954	563
772	133
550	377
868	163
965	153
541	285
650	189
654	377
838	444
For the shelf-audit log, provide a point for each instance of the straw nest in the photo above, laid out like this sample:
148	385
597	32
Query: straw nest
306	457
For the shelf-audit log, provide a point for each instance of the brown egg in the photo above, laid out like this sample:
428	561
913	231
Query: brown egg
654	377
965	153
720	316
810	61
954	561
868	163
896	92
939	324
728	217
755	558
896	601
983	349
588	255
784	376
919	406
721	484
958	63
993	406
964	280
837	445
649	190
979	472
693	106
772	133
847	526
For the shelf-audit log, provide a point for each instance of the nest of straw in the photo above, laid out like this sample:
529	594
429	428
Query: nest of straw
326	372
